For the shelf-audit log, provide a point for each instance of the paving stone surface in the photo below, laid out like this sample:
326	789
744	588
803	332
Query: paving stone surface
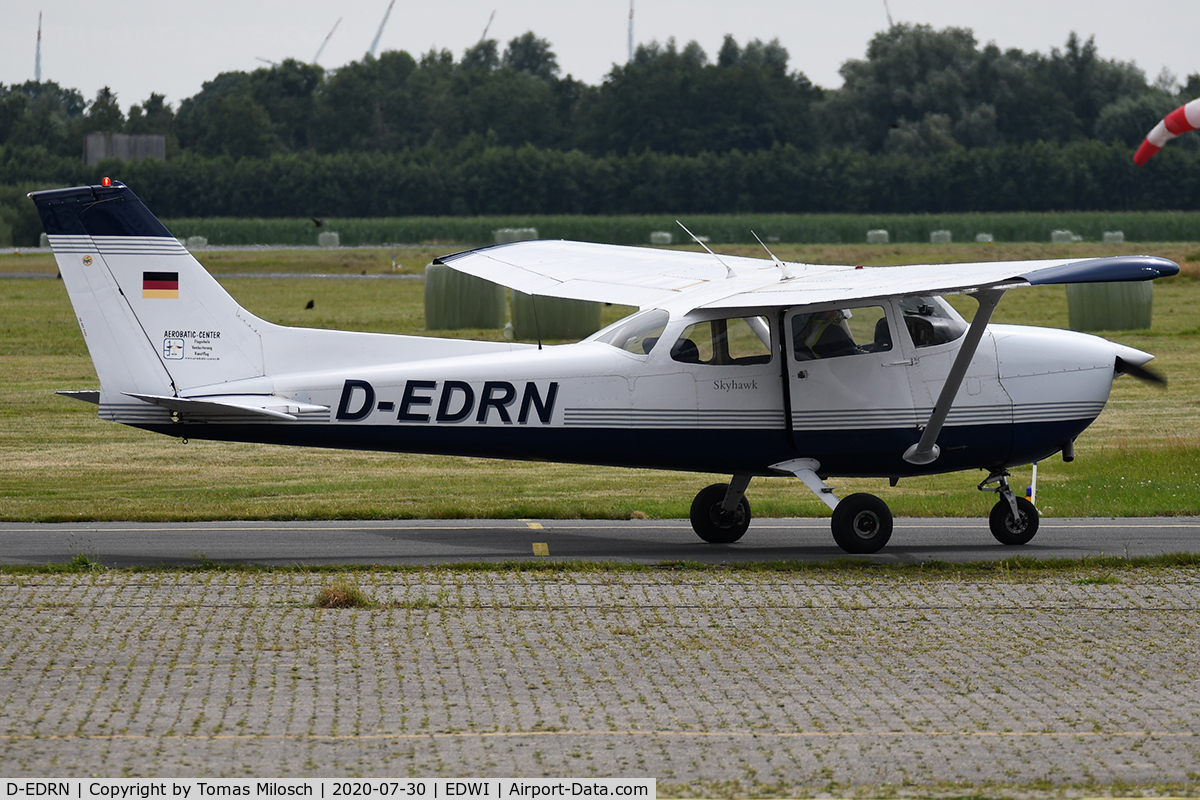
734	684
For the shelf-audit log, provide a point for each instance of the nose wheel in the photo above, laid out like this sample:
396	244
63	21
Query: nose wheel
1010	528
1014	520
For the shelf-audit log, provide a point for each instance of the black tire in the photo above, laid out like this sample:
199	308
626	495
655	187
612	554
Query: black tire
862	523
714	525
1010	531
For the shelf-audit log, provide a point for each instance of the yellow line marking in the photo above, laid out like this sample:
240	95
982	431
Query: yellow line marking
541	549
536	526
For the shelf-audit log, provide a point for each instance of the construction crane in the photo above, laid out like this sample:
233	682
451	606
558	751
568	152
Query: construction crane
321	49
375	42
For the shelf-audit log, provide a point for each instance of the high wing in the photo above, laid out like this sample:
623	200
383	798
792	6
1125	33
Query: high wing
644	277
638	276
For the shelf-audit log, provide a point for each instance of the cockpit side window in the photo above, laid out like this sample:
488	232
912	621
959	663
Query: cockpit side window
734	341
637	334
840	332
931	321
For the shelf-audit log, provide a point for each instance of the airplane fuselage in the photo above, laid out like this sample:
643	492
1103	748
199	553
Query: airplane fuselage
1029	393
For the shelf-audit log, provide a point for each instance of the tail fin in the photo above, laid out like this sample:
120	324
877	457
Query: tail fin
155	322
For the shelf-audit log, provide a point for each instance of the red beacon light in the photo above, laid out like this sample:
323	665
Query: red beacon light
106	181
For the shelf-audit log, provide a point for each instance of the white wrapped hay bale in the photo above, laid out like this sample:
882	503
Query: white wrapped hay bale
506	235
455	300
1121	306
553	317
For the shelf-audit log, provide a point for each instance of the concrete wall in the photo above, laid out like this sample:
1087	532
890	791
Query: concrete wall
98	146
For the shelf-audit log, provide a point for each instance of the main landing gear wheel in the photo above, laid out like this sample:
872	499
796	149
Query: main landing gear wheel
712	523
862	523
1013	530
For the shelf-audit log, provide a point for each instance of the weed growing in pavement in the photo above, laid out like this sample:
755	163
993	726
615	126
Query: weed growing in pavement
82	563
343	594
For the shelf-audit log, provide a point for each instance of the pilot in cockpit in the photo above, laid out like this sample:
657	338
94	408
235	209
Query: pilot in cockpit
822	335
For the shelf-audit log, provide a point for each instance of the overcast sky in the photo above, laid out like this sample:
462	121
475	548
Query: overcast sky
171	47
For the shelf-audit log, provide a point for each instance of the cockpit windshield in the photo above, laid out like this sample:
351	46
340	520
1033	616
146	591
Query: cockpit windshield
931	320
636	334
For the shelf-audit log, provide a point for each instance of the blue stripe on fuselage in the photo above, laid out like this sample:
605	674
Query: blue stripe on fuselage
849	453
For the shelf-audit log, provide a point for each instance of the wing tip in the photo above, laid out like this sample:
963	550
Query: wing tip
1107	269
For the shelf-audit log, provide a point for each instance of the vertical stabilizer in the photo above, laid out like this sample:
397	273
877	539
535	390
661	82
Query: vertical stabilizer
155	322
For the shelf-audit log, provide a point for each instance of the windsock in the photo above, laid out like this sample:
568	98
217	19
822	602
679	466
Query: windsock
1181	120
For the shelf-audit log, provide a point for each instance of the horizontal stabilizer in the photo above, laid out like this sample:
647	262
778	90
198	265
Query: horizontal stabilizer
234	405
86	395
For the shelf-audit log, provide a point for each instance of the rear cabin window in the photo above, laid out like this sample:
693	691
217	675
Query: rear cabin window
732	341
635	334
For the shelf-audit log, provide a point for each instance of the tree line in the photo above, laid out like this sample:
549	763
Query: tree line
928	120
476	178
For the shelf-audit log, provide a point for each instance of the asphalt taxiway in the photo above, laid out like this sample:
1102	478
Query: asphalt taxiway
425	542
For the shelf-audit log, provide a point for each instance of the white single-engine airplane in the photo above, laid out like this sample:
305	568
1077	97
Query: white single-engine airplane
749	367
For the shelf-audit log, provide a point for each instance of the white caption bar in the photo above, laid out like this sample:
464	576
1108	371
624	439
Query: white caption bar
328	789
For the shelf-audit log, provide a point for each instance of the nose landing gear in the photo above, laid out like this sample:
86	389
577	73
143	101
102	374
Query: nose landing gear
1013	520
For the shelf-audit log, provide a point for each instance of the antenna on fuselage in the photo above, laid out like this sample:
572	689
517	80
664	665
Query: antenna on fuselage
787	273
537	328
729	273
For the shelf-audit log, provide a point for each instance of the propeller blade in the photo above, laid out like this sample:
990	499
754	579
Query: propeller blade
1124	367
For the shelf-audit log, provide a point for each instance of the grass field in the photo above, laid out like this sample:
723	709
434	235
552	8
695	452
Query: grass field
59	462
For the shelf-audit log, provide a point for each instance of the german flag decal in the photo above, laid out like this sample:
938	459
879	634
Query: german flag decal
163	285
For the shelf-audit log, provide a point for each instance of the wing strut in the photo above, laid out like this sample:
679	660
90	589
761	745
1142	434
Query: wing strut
926	451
